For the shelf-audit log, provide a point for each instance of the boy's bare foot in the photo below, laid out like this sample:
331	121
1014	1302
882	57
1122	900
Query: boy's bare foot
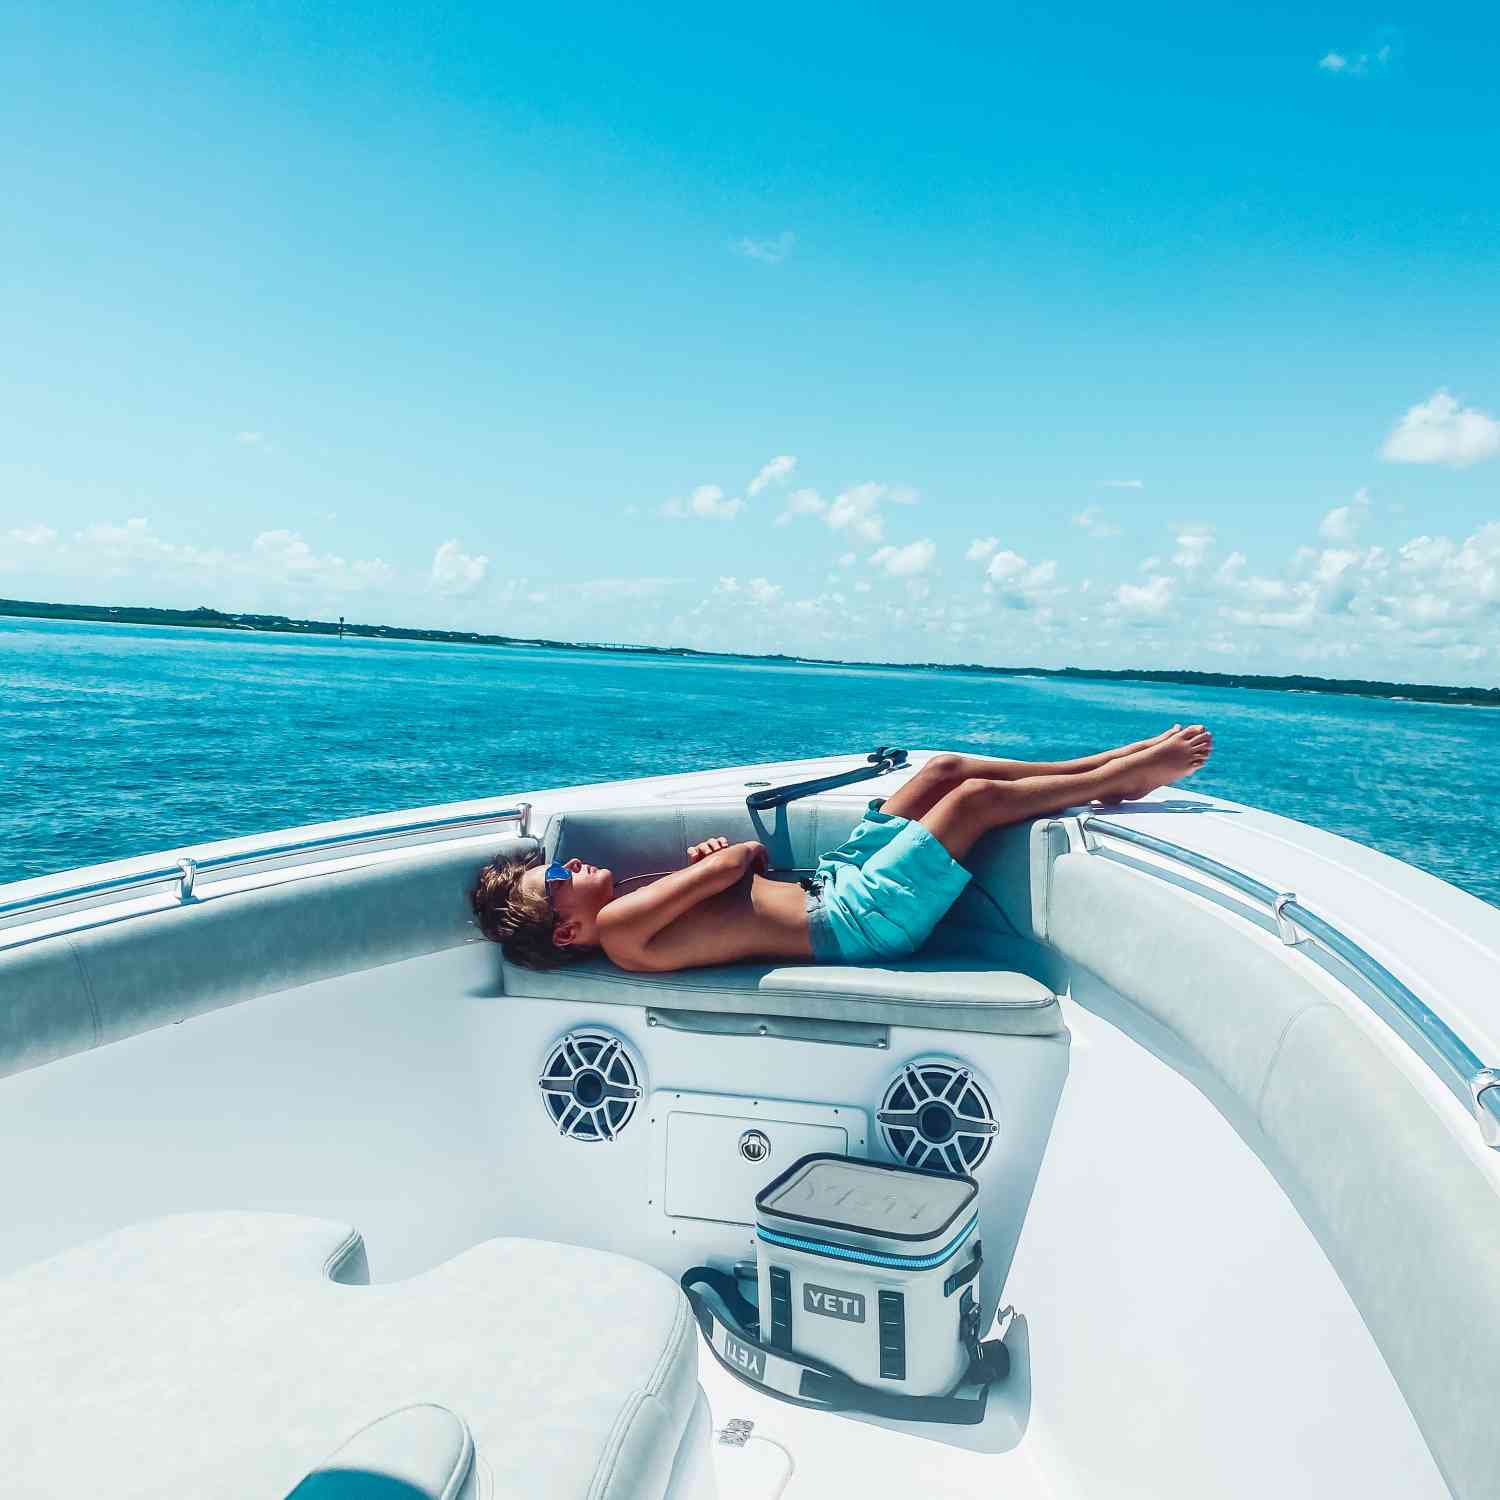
1145	744
1171	758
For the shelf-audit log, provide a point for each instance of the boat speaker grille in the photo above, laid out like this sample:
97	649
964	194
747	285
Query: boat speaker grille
590	1085
935	1116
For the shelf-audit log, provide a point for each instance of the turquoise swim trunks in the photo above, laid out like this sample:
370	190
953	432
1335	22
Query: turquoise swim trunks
881	892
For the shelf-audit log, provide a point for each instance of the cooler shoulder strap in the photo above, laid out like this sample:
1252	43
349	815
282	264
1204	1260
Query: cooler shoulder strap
731	1328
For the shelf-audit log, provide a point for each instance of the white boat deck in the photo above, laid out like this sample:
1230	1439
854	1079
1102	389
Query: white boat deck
1181	1330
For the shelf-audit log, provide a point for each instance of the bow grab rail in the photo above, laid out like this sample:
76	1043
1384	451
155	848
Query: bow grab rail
1476	1086
882	760
185	872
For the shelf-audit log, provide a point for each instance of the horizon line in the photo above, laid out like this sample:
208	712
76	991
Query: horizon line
1347	686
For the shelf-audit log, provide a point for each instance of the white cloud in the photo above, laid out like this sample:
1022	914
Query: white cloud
802	503
32	536
110	550
455	572
1323	582
1123	484
1194	542
250	439
908	561
706	503
774	472
1330	571
772	251
286	557
1017	583
1092	520
1147	601
1465	575
980	548
1343	522
757	590
1356	64
1441	431
848	559
858	510
279	563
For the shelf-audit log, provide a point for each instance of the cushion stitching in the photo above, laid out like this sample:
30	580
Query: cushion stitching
669	1348
88	989
460	1468
335	1261
615	1445
1265	1081
604	1470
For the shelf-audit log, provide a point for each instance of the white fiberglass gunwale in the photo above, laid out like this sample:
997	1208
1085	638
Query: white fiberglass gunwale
1369	915
1427	953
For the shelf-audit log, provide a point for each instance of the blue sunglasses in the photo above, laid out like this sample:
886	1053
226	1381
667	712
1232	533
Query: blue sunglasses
555	873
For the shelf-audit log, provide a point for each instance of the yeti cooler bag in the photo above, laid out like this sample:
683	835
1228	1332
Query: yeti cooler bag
868	1297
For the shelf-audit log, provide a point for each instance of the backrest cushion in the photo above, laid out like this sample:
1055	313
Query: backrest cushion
1407	1219
655	839
64	994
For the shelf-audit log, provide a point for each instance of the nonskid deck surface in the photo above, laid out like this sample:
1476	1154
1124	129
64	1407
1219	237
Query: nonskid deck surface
837	1455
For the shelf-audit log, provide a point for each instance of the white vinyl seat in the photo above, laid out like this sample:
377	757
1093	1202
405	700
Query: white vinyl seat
946	992
231	1354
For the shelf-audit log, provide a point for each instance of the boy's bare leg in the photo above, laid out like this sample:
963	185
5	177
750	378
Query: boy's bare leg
970	810
939	775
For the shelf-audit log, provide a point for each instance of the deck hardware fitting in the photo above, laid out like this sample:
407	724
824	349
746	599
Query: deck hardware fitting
1486	1089
1081	837
735	1432
189	873
1288	930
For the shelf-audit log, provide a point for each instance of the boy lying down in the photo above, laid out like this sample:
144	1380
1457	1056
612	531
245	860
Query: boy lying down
876	897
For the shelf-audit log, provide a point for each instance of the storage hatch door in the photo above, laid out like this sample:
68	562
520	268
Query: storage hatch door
712	1153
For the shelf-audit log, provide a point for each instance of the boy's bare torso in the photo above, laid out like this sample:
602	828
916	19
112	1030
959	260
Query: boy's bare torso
754	918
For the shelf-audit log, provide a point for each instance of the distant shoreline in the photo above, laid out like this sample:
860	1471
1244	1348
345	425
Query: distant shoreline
213	619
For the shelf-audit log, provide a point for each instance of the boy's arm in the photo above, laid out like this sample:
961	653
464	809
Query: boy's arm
628	924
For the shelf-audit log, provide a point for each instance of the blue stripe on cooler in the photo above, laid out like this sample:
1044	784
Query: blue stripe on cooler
869	1257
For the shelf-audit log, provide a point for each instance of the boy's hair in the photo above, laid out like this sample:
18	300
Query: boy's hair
522	924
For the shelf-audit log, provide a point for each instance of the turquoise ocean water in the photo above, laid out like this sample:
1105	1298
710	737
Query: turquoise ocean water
119	740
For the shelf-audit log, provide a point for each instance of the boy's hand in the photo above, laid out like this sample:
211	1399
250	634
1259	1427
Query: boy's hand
756	856
707	847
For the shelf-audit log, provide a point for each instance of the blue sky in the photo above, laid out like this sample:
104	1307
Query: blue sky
1113	338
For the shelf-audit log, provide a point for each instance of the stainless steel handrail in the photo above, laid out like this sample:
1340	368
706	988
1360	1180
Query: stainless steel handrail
1474	1084
185	872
